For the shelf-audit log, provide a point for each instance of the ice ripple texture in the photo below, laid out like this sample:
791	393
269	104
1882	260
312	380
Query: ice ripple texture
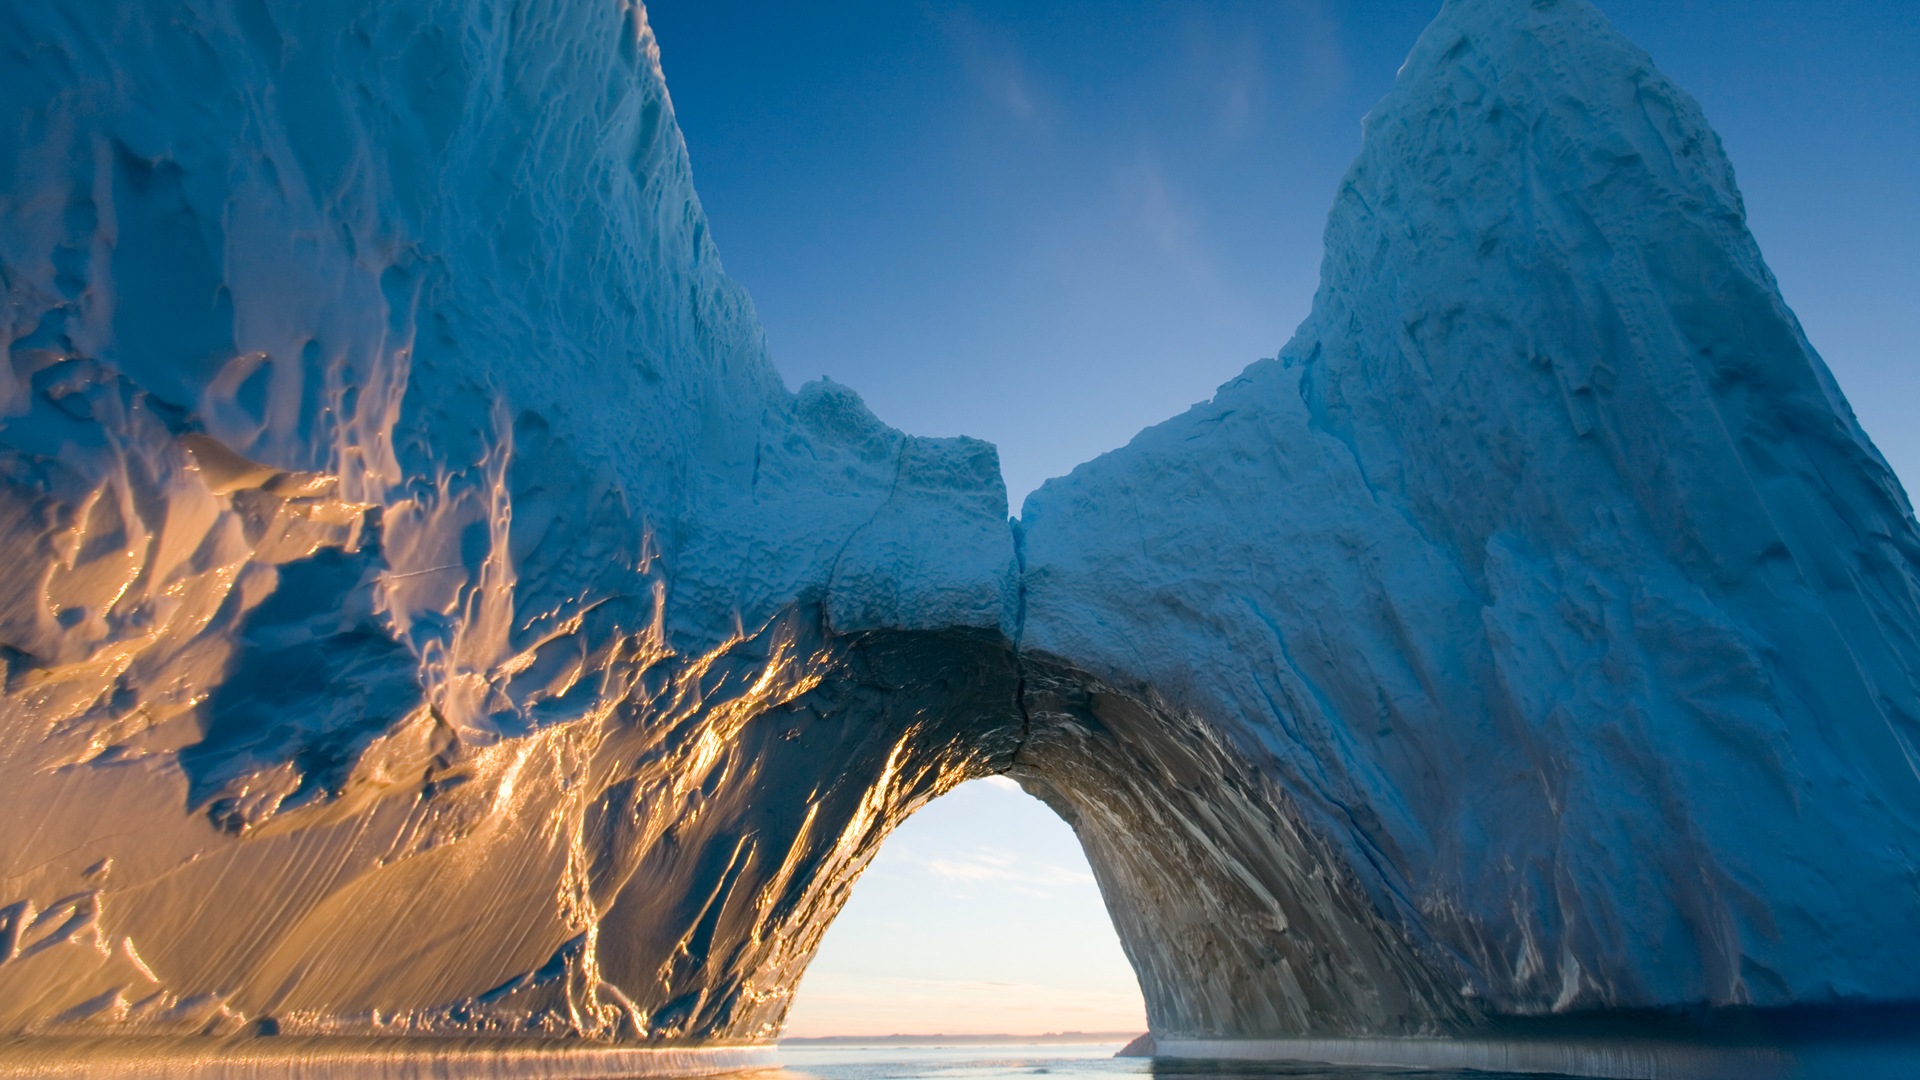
428	615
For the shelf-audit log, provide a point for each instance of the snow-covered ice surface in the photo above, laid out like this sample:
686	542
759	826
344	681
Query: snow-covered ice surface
429	617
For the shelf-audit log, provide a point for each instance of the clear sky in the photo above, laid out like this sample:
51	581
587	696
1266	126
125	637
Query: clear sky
1050	224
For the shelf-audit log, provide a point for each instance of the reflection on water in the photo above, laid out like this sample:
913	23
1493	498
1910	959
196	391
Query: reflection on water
1060	1062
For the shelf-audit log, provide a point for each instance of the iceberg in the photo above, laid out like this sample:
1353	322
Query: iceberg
433	630
1544	578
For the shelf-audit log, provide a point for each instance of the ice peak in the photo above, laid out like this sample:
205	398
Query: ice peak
1548	460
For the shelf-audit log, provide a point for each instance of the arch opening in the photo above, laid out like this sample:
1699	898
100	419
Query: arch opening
979	916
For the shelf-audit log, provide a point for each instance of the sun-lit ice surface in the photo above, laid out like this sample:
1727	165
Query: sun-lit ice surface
430	617
415	550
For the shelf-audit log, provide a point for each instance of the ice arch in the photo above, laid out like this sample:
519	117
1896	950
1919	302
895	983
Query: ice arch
429	616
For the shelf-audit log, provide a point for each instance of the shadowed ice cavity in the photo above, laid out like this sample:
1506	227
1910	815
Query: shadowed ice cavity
313	680
430	615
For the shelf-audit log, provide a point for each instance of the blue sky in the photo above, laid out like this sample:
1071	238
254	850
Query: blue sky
1051	224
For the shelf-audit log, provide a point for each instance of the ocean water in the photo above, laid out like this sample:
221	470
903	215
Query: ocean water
1069	1061
1858	1055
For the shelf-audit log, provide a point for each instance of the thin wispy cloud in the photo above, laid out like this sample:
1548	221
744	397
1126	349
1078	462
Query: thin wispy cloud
1226	65
1239	95
1172	227
1321	70
992	866
1240	67
992	62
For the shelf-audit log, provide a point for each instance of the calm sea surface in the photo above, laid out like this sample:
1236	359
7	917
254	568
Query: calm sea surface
1060	1061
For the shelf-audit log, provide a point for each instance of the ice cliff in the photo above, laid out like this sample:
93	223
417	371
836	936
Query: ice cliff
1545	576
428	613
419	574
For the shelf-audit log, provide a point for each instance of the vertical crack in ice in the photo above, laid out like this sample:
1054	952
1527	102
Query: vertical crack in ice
853	536
1019	533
